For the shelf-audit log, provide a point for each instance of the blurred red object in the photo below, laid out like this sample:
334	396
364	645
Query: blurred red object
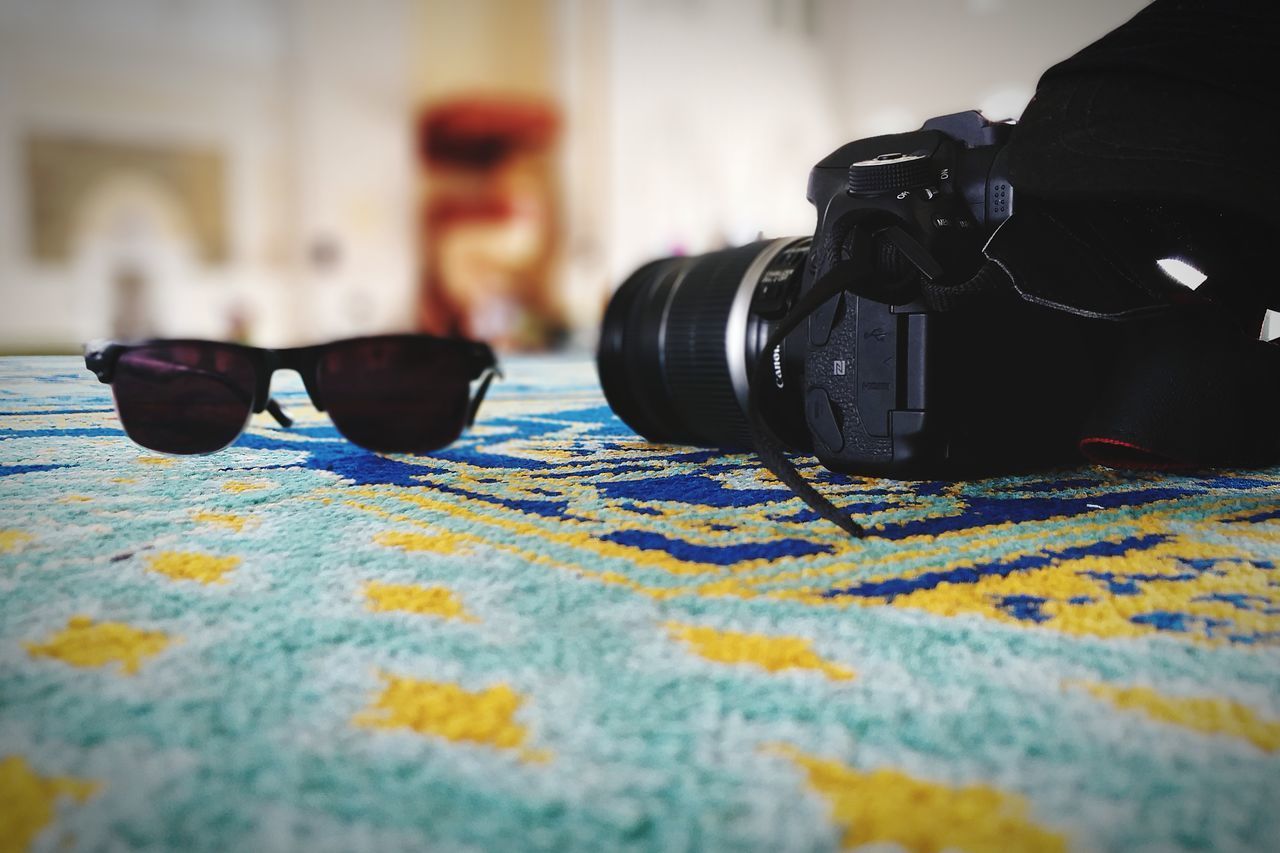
482	134
489	225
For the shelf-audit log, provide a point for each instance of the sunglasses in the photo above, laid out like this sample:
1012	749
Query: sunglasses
389	393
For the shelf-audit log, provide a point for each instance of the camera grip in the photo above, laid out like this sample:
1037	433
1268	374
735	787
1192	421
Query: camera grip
866	381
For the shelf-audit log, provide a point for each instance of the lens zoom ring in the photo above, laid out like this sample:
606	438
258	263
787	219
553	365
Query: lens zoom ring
697	368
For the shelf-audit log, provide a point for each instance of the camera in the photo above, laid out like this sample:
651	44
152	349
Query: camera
908	368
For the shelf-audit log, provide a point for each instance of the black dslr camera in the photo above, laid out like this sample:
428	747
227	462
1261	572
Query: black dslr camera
847	345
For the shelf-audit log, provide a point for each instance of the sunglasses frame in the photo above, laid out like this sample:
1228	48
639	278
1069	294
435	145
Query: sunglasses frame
101	357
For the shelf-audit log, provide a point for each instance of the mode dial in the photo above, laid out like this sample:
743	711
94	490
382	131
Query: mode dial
890	173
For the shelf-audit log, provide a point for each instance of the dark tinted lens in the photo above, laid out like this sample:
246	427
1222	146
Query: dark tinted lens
184	398
396	395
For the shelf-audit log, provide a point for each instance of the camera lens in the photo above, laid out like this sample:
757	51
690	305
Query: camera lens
681	336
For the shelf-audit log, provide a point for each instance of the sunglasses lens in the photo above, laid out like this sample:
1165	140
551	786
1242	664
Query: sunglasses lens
184	398
396	395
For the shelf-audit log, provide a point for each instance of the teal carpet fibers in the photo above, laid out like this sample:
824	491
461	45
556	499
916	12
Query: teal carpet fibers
554	636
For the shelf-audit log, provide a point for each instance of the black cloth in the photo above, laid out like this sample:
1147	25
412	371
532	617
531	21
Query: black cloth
1178	104
1152	143
1155	141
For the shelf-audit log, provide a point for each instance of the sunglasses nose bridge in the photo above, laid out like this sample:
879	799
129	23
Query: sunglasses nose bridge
303	362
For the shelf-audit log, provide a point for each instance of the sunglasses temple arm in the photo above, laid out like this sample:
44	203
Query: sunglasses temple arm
273	408
486	379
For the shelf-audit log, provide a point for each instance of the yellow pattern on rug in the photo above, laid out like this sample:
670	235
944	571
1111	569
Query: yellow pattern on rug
924	817
222	519
243	485
437	543
770	653
11	540
408	598
447	710
192	566
28	800
1077	594
1201	714
86	644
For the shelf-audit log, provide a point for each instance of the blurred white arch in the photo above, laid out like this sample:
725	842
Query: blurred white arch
133	250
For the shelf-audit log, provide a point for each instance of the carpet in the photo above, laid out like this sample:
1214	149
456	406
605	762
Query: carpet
554	636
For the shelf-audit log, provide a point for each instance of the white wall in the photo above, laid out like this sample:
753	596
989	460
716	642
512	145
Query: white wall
308	100
506	46
350	101
898	63
718	108
585	85
689	124
141	70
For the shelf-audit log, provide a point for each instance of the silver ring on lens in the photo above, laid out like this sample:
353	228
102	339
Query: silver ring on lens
735	338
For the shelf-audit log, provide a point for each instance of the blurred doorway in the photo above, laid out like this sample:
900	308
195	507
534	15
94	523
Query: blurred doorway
132	248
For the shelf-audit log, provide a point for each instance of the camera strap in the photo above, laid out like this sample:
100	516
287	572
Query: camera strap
769	449
858	273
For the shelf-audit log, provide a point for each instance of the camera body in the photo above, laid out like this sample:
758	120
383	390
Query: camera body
892	387
874	374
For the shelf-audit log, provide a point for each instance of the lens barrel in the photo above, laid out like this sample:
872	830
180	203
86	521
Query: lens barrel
680	337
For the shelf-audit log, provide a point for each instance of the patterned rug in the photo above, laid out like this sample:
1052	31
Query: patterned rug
554	636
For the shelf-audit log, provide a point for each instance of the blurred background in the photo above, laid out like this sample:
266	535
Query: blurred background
291	171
